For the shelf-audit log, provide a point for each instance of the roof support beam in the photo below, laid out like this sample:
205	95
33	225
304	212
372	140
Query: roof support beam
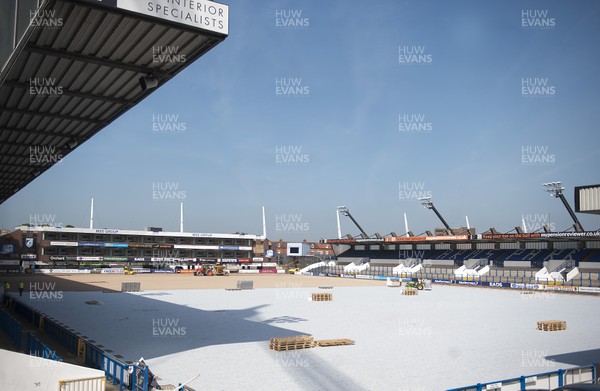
22	131
74	93
52	115
27	155
91	59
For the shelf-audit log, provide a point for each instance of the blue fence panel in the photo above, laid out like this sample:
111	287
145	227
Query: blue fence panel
23	310
11	327
94	356
559	375
141	378
63	336
116	371
37	348
119	373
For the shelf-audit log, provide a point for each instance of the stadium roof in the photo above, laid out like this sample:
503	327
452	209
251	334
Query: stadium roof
587	199
116	231
546	236
71	67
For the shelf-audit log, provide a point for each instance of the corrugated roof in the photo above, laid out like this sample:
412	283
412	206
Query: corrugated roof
64	84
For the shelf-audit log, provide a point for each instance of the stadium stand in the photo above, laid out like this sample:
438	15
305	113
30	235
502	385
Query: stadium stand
534	258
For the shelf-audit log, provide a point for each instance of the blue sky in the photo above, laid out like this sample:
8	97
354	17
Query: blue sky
344	129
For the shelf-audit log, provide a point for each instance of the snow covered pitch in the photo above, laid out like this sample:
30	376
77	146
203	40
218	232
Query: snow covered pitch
444	338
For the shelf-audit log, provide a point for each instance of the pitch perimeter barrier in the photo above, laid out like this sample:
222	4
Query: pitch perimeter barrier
87	353
11	327
92	384
58	332
499	277
37	348
116	371
546	380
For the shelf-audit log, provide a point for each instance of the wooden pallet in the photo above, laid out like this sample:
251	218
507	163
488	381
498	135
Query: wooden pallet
410	292
551	325
291	343
334	342
322	297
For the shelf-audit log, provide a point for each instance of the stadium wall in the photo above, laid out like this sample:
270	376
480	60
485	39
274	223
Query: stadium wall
21	371
590	266
517	264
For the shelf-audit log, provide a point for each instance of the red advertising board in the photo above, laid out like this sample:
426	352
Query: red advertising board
511	236
448	237
405	239
426	238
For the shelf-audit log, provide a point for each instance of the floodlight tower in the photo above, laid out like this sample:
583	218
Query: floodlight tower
427	203
346	212
556	190
339	226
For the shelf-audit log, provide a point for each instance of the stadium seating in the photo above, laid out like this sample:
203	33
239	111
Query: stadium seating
592	256
534	257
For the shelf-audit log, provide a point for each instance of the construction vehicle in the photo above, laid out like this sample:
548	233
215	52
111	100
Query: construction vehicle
128	270
220	270
211	270
293	266
415	284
